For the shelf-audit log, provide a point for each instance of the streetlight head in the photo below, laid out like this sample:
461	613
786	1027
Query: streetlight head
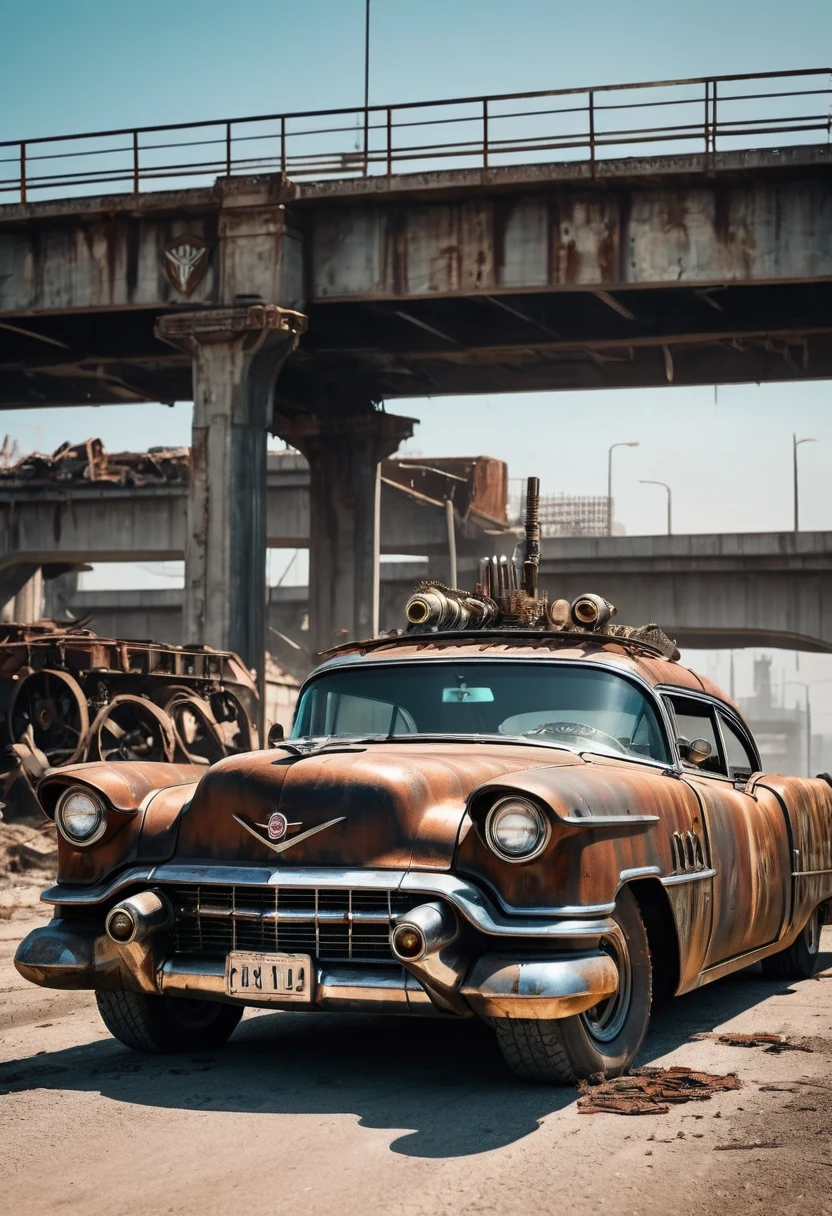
634	444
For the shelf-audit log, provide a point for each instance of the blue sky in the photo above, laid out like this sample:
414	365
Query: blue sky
75	65
70	65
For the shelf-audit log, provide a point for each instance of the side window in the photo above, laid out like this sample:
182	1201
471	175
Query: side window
697	720
739	760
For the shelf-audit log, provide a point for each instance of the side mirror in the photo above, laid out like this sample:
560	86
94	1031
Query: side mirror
275	735
697	751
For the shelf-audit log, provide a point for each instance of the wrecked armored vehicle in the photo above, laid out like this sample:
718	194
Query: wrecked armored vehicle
67	695
516	811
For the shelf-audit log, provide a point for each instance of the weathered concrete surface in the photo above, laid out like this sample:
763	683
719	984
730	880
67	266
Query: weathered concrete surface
104	522
345	455
631	238
237	356
547	276
325	1115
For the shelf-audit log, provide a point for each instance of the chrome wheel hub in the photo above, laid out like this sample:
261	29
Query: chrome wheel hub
605	1021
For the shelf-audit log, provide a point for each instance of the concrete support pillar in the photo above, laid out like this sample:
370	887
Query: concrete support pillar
237	355
344	453
27	605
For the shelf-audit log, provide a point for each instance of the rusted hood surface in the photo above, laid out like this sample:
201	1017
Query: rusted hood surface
384	805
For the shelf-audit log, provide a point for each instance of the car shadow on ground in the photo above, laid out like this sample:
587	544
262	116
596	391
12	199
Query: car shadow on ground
441	1086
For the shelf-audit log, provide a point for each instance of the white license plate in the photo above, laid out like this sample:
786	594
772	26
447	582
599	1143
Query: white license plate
269	977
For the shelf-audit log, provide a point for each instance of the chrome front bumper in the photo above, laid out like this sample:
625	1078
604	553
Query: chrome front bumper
67	955
561	969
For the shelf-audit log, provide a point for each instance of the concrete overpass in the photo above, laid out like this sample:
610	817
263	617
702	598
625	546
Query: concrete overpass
708	592
296	289
87	506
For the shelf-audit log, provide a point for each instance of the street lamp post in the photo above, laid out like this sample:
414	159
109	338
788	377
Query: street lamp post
609	479
808	711
795	445
669	515
366	85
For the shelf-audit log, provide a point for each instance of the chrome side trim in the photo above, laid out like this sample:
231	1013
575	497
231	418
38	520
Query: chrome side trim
608	821
638	872
674	880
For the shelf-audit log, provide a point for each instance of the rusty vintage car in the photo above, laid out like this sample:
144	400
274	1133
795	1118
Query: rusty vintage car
516	810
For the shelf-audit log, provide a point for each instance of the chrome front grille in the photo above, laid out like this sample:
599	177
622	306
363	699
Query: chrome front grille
331	924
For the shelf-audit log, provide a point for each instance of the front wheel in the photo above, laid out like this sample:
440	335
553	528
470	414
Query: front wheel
799	960
167	1024
605	1039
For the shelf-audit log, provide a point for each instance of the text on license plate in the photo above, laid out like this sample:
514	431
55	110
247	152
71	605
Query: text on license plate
283	977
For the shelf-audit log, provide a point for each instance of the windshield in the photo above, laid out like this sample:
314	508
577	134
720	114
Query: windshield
581	708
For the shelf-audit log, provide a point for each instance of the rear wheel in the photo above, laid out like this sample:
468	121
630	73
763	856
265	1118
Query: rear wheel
799	960
167	1024
605	1039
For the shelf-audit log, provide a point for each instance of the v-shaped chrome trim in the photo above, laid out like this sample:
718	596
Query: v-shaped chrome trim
283	845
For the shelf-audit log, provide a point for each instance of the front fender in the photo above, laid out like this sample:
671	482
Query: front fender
607	821
144	802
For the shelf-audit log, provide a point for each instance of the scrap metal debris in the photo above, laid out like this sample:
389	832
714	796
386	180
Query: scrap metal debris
772	1043
651	1091
82	463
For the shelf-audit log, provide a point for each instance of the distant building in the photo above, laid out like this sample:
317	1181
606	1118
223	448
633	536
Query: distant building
780	730
566	514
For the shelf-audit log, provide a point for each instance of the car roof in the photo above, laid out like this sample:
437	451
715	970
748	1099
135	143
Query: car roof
652	668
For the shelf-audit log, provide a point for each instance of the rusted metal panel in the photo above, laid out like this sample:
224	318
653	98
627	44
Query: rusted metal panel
585	861
747	843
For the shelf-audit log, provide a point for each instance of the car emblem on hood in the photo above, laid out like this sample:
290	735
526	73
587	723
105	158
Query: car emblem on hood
273	832
278	826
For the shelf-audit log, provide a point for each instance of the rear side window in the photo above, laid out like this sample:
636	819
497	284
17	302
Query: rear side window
697	720
740	761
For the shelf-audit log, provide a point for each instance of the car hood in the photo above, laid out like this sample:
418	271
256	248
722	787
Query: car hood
384	805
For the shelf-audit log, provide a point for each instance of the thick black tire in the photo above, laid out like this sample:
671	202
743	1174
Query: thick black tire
167	1024
799	960
562	1050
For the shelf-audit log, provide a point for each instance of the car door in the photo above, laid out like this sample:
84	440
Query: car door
747	842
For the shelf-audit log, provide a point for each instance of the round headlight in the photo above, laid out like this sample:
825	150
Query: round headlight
80	816
516	829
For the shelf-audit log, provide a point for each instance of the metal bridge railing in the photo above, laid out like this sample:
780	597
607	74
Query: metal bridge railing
704	115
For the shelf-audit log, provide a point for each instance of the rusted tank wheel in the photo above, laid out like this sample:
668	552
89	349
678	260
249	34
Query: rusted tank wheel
132	728
605	1039
198	738
799	960
49	709
167	1024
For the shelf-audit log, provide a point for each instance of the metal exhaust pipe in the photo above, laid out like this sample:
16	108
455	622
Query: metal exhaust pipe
138	917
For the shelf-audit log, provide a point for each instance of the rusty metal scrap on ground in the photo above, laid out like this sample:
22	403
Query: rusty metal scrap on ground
651	1091
67	697
772	1043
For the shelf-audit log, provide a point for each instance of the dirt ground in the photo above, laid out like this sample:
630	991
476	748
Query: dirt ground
323	1115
